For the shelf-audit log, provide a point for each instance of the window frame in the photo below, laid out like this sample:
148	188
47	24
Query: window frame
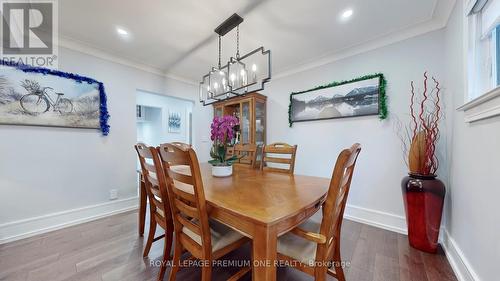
482	97
497	54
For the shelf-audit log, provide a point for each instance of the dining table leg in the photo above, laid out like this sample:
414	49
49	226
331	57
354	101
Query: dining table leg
264	253
142	205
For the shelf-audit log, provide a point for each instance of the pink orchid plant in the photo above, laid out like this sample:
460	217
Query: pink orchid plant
223	134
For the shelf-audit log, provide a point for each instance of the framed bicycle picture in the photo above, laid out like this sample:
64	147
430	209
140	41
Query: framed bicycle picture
43	97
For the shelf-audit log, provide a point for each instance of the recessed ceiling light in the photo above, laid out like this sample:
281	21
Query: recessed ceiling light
346	14
121	31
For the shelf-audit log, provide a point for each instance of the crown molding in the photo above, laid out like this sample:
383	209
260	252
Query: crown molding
79	46
440	15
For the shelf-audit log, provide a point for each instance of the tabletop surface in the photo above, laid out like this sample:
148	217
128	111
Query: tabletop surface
263	197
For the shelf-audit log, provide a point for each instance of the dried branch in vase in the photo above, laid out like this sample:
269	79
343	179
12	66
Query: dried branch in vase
421	135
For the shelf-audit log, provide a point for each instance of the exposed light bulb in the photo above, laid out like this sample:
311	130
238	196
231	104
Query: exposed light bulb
216	85
232	77
242	72
254	70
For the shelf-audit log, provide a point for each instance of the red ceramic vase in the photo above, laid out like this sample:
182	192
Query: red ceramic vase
423	198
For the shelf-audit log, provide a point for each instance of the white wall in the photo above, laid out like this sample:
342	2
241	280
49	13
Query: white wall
472	225
375	193
51	170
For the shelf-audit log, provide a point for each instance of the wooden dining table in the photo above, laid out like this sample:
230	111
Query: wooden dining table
262	205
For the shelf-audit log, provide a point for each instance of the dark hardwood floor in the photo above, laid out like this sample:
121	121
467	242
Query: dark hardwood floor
110	249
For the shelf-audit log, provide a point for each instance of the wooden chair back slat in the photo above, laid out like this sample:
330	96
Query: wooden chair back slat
278	148
159	205
160	220
175	159
181	144
153	181
185	196
247	154
189	224
156	191
151	168
278	160
183	175
143	151
186	209
187	179
189	244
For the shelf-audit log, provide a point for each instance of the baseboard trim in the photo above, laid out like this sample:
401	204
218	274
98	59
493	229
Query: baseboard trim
21	229
458	262
376	218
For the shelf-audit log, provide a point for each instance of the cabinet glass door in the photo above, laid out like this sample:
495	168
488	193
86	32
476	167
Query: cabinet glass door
245	125
218	111
260	123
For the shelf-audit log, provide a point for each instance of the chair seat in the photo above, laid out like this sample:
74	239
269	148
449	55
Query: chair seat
222	235
299	248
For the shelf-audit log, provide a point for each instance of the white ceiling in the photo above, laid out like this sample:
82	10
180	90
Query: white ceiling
177	38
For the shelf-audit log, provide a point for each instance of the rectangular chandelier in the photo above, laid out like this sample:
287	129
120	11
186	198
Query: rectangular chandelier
240	75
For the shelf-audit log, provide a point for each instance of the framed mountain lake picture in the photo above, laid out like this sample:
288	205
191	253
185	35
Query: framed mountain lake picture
358	97
44	97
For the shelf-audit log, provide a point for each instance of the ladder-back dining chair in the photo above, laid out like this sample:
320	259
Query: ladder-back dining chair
159	204
246	153
273	153
143	196
314	246
205	239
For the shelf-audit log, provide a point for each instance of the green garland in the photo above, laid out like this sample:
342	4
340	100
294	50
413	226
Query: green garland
382	95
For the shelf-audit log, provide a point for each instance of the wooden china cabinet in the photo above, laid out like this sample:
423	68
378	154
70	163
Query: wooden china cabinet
251	111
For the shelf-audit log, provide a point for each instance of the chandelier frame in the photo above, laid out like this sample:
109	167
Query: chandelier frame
211	96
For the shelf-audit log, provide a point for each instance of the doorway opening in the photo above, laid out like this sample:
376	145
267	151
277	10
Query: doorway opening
162	119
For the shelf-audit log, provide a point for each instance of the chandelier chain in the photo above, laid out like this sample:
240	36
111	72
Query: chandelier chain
238	41
220	48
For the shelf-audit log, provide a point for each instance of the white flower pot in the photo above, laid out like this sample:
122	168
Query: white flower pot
222	171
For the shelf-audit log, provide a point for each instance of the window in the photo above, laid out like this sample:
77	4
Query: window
483	47
498	54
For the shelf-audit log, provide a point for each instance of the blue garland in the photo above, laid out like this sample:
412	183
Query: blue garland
103	107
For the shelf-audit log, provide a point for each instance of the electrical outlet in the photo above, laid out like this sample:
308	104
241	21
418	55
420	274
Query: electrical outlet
113	194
